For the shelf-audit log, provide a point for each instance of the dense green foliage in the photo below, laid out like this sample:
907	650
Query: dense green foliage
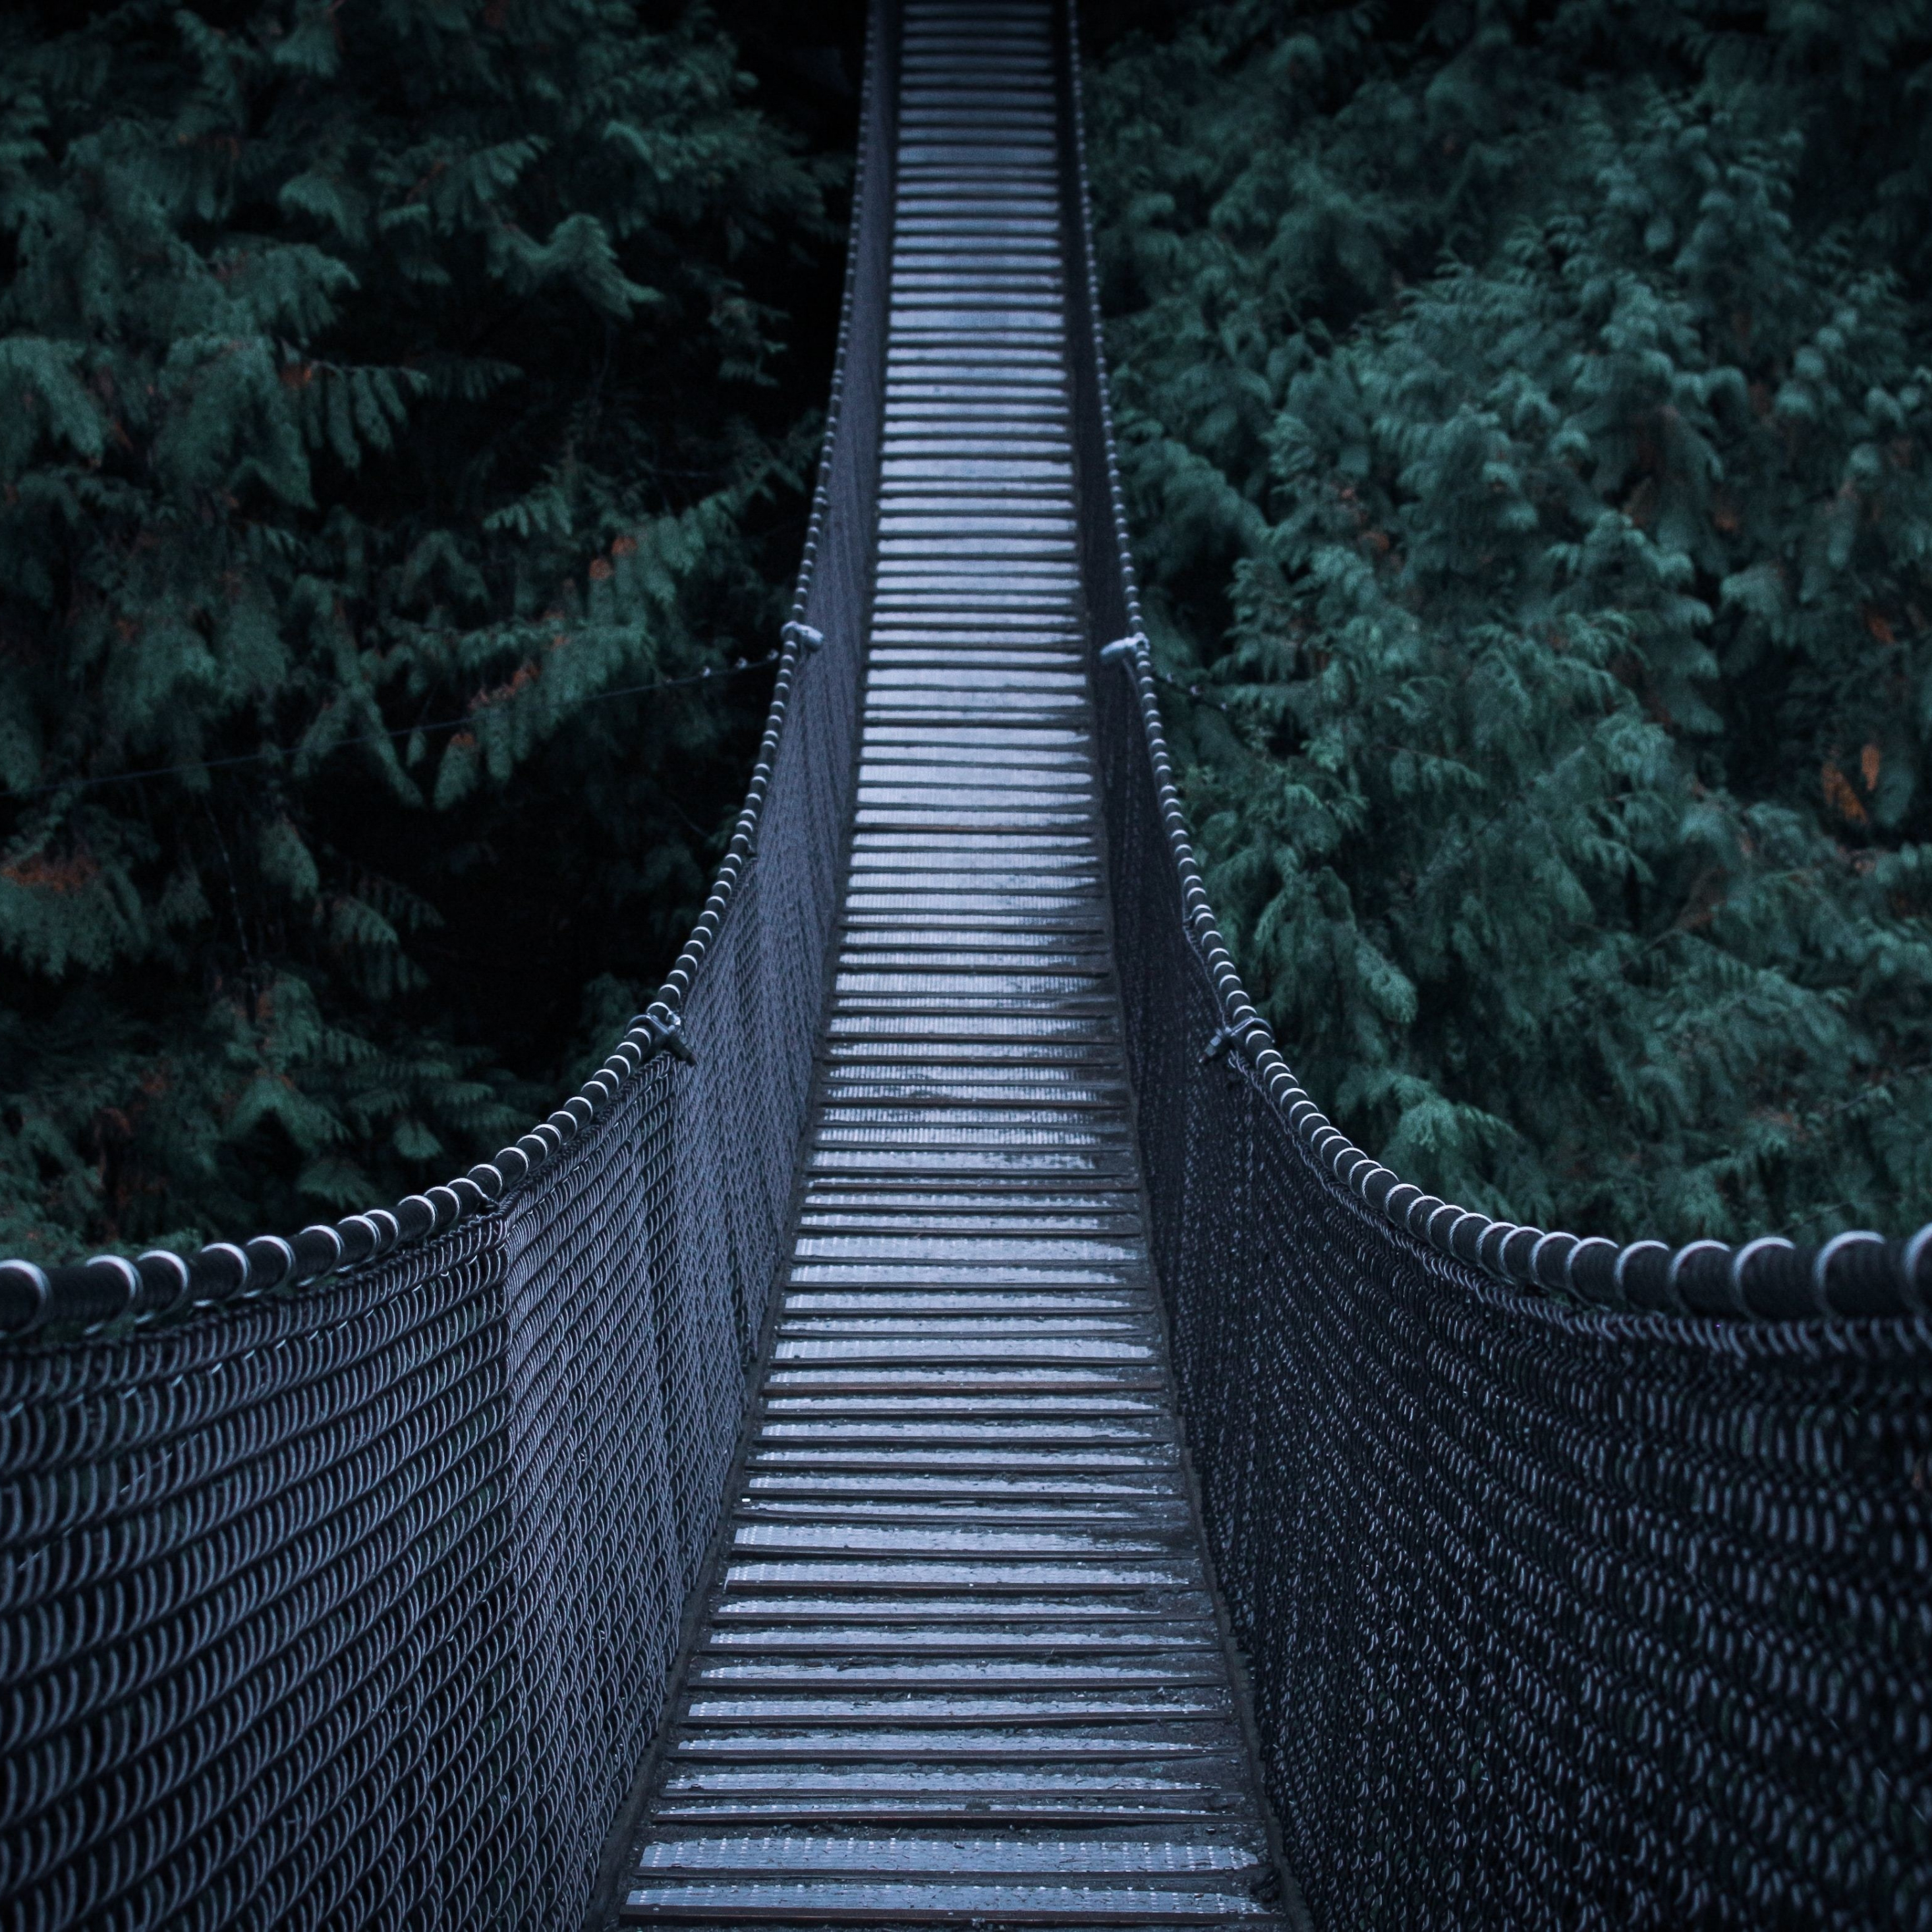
384	391
1525	412
1528	428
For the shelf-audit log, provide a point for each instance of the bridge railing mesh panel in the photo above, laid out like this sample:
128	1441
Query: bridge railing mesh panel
351	1604
1555	1615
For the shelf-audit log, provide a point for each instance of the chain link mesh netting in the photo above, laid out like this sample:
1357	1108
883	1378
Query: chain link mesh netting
351	1605
1554	1616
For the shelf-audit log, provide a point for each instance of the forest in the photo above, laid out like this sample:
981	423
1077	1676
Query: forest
406	419
409	412
1525	410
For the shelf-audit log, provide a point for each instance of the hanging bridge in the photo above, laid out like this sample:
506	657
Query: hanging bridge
940	1430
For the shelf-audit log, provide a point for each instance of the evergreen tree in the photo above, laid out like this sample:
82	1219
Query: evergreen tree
1528	426
384	390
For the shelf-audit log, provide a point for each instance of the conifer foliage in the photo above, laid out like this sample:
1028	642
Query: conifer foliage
384	390
1527	421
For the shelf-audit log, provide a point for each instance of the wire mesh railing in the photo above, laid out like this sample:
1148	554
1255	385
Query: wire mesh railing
1582	1582
342	1573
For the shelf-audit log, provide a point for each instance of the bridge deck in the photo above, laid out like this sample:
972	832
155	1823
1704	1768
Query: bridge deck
961	1665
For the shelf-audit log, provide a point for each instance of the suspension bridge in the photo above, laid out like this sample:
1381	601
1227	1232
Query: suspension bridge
941	1430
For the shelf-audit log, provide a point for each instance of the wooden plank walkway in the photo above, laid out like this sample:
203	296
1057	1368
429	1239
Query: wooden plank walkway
962	1666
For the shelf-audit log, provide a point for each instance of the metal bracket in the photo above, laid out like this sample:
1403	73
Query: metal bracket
1226	1037
1122	650
667	1036
804	634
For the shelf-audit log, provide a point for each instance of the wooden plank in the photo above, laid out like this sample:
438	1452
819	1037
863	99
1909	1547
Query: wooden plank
960	1667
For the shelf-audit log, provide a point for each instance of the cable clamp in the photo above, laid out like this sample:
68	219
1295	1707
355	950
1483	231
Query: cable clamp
1122	650
1226	1037
804	634
667	1036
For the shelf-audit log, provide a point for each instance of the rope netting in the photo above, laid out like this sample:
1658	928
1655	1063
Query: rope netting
1581	1583
339	1577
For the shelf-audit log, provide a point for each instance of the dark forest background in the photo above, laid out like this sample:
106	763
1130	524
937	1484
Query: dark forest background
1525	412
432	367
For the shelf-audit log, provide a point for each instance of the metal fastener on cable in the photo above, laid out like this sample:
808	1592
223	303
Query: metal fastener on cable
667	1036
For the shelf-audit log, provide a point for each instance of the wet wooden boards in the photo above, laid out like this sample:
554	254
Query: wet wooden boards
961	1667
